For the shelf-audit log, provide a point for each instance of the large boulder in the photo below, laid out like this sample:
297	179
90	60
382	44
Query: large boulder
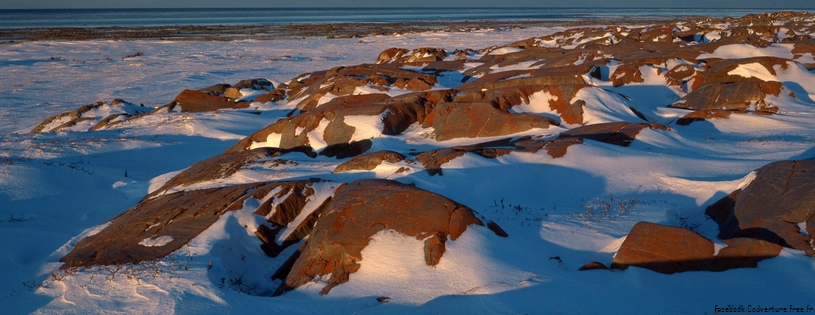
369	161
480	119
664	249
735	96
363	208
196	101
667	249
158	226
96	116
771	207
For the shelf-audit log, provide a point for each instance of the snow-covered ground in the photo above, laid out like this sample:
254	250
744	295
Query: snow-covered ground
57	188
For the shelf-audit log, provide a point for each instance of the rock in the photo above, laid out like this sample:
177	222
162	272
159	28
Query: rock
771	206
343	81
626	74
273	96
194	101
680	75
617	133
88	117
744	252
156	227
701	115
664	249
369	161
506	97
721	71
361	209
593	266
391	55
219	89
479	119
222	166
736	96
396	113
432	160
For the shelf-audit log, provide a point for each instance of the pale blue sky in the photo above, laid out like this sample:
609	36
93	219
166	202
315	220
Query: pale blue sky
53	4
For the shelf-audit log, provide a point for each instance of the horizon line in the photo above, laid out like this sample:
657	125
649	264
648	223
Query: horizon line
421	7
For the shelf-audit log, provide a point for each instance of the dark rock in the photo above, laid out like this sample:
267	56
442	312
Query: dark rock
593	266
219	89
432	160
701	115
273	96
617	133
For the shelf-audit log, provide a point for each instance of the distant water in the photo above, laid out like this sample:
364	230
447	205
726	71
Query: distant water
258	16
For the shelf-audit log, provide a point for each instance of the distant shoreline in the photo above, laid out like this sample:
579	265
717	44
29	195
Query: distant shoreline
288	31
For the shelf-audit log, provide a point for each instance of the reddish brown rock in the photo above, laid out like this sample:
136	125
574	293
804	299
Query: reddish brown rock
626	74
771	206
195	101
309	88
664	249
361	209
475	120
273	96
391	55
744	253
397	113
593	266
731	96
369	161
719	70
170	221
680	76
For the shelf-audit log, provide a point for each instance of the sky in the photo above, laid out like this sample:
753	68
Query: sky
56	4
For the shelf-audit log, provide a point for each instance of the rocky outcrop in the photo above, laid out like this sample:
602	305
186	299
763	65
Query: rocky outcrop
329	124
96	116
735	96
667	249
663	249
308	89
621	134
479	119
754	222
369	161
770	208
195	101
222	166
617	133
363	208
156	227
